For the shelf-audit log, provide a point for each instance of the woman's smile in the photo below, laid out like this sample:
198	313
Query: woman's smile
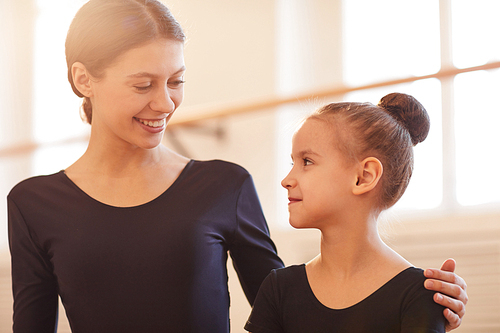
116	101
152	125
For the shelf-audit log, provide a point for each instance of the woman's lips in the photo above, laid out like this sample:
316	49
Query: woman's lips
152	125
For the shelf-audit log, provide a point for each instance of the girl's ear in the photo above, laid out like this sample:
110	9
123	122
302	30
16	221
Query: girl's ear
81	79
369	174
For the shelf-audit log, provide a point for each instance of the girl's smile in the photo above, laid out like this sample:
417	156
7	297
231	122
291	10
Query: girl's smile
320	179
293	200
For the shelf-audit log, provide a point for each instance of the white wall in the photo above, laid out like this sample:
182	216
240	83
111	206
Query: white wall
239	50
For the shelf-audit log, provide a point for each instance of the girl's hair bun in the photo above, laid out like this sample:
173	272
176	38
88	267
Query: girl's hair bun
409	113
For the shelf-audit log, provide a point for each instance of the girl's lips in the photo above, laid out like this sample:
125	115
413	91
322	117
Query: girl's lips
293	200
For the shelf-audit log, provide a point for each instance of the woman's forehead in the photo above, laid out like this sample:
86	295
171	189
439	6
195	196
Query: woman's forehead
156	56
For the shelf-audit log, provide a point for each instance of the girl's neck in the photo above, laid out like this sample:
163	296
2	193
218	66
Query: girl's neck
353	248
354	262
345	252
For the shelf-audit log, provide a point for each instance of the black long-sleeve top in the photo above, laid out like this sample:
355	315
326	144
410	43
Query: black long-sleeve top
157	267
287	304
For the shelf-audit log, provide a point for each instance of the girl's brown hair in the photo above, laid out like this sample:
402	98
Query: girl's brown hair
387	131
104	29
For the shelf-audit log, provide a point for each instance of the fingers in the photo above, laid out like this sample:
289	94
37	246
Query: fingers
451	292
448	279
449	265
453	320
457	306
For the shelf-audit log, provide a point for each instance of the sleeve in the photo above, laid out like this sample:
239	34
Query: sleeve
421	313
252	250
265	315
33	285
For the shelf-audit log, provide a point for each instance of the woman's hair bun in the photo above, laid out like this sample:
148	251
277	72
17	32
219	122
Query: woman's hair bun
409	113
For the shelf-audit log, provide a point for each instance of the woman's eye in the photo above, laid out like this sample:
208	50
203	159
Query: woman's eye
306	161
176	83
143	88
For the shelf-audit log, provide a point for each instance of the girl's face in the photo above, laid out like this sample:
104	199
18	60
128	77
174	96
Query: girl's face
138	94
320	182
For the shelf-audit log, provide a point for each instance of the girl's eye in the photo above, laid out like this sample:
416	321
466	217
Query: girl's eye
306	161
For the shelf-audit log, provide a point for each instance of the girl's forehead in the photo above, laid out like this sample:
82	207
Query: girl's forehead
313	133
313	127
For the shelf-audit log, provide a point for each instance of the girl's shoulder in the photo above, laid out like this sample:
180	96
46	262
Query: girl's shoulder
290	271
288	277
410	274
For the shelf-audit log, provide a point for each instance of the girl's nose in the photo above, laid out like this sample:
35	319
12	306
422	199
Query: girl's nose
288	181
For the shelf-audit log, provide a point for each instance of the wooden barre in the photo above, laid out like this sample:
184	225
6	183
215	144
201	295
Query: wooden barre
190	116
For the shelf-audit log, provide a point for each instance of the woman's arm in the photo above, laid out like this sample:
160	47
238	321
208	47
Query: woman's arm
451	292
252	250
33	285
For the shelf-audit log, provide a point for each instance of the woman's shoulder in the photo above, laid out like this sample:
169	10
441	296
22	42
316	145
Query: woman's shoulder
219	169
36	184
220	165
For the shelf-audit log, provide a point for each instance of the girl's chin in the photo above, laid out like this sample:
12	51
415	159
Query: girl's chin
300	224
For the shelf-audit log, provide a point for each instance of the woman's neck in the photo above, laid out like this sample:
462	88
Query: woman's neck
113	157
125	180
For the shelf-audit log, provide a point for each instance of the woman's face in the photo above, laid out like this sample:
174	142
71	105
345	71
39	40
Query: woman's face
137	95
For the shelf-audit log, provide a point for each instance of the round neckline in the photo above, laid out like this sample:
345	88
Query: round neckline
321	305
174	184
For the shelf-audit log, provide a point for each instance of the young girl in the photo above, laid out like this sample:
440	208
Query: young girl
351	161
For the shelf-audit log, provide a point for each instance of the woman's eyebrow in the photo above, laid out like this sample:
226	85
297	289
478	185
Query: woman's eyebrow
154	76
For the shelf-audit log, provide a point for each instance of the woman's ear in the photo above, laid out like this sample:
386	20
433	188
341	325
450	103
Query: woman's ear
369	174
81	79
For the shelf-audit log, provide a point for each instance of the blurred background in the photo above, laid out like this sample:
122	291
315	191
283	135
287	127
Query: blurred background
254	69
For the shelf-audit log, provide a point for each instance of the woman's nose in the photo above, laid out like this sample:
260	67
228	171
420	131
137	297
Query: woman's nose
162	101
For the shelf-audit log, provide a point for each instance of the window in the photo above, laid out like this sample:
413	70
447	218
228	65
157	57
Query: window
56	109
477	115
475	29
381	43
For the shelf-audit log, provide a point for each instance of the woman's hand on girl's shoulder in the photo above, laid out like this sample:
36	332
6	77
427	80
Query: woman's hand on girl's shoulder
451	292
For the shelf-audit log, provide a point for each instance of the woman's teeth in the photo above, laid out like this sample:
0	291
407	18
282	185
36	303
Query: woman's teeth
156	123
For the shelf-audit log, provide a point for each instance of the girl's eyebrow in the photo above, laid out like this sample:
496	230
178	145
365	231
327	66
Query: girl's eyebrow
153	76
306	152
